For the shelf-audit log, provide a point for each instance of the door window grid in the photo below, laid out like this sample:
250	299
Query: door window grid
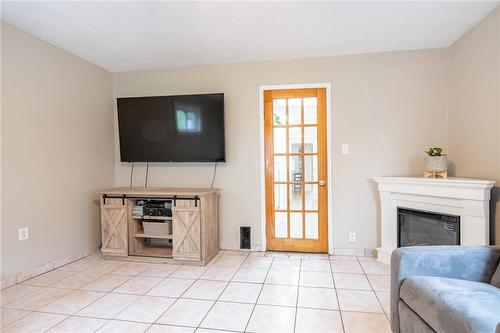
296	180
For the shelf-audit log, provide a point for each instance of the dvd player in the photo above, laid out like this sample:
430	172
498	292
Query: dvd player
156	207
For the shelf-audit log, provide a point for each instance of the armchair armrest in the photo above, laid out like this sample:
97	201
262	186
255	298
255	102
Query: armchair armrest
458	262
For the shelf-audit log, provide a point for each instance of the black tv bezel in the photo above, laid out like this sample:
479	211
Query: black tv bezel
223	160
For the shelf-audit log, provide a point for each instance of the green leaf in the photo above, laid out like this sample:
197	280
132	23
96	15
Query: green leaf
438	151
277	120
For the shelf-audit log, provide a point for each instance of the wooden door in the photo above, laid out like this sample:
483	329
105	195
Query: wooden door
114	227
186	232
296	170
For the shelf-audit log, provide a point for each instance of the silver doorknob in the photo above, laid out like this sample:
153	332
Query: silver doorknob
322	182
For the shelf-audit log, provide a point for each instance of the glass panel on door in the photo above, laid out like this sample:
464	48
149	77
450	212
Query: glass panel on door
279	112
295	123
311	168
295	140
295	225
280	225
295	168
280	140
312	225
280	174
294	111
295	196
310	139
280	197
311	198
310	110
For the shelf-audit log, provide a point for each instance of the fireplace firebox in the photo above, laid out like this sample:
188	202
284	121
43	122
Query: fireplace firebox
418	228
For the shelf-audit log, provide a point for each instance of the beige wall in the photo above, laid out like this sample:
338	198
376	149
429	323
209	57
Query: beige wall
474	108
57	134
389	107
57	149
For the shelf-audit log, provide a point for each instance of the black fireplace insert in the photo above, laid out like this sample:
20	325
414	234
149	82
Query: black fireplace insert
419	228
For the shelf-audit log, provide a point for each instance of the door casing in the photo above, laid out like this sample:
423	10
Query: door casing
329	157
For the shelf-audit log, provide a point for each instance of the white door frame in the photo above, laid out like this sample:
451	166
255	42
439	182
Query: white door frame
329	156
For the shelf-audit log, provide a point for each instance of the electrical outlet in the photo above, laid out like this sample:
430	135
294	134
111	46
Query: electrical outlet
23	234
345	149
352	237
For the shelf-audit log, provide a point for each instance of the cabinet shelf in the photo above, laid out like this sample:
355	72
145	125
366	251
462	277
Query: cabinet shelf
154	252
148	217
143	235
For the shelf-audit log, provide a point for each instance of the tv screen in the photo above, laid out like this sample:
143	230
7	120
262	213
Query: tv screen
188	128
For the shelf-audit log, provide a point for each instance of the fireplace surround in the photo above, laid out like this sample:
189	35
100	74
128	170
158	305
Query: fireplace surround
467	199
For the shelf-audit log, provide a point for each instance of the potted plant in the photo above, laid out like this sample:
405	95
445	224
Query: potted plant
436	161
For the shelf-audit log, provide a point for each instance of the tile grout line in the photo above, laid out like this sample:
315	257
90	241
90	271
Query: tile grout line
136	321
107	293
176	298
168	277
297	299
106	275
140	296
32	312
28	294
110	292
215	302
26	282
29	311
258	296
75	272
376	296
337	297
374	291
35	292
71	290
70	316
86	283
3	327
56	324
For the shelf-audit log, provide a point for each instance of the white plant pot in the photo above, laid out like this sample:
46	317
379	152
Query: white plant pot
436	163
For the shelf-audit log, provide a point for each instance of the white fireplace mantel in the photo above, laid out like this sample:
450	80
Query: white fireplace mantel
467	198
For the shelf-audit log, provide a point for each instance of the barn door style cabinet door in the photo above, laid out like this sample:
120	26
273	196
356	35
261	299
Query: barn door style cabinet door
186	233
114	227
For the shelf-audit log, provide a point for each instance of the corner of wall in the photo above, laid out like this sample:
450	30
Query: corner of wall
448	96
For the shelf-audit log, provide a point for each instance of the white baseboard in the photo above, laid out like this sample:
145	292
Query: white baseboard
336	251
237	248
51	265
384	255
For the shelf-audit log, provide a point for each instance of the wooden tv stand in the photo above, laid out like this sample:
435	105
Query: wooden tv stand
195	232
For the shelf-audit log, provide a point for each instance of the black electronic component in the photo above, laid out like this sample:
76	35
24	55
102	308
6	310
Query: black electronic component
245	239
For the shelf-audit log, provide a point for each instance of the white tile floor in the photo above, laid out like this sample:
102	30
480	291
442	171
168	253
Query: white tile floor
236	292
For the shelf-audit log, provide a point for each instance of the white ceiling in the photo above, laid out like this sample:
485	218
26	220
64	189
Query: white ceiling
122	36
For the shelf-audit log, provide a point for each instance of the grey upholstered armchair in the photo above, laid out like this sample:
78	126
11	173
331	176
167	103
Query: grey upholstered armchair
453	289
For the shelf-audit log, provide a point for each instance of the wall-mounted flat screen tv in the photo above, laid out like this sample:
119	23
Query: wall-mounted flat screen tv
187	128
